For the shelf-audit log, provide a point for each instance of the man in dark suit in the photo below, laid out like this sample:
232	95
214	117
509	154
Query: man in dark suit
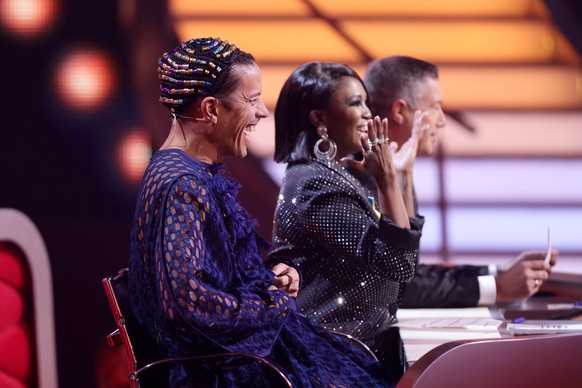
398	87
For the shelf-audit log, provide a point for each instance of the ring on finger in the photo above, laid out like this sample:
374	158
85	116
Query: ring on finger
372	143
537	283
380	140
288	286
367	153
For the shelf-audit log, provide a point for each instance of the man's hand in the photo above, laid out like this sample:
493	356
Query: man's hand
286	279
522	277
404	158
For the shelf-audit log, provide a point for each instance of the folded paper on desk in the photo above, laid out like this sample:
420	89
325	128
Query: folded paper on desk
477	324
469	312
544	327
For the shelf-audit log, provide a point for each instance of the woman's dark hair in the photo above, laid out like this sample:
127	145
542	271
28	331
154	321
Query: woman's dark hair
308	88
199	68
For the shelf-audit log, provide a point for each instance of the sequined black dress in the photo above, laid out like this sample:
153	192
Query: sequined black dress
199	284
353	264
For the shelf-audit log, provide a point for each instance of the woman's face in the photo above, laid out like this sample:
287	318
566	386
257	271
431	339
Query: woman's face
346	116
240	113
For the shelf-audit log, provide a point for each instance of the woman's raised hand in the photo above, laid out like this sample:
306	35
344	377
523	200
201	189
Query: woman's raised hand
377	159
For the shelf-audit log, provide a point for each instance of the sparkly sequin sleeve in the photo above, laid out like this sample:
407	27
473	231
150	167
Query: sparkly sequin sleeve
323	213
354	265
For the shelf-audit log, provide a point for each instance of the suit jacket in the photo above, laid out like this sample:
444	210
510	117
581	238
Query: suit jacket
443	286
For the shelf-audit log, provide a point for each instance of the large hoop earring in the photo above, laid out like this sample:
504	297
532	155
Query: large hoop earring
329	154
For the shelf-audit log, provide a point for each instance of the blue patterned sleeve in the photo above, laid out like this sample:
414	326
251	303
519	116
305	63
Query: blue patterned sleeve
216	281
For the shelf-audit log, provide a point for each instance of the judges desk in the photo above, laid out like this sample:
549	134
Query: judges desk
478	356
563	285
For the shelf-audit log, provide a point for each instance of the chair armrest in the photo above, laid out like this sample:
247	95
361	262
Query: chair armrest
355	341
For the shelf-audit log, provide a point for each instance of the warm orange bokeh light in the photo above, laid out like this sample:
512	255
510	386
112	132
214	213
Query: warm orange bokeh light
493	54
27	19
85	79
133	154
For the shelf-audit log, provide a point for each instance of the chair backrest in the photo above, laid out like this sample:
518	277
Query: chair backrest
140	349
524	361
28	342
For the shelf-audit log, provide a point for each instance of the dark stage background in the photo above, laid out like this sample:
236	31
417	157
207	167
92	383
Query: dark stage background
58	163
54	168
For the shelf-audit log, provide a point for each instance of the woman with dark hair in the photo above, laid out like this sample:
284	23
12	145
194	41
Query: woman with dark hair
354	255
196	276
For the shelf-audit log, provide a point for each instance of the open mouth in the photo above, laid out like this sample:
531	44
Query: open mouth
362	129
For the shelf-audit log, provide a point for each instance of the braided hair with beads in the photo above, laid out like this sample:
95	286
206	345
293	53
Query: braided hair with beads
198	68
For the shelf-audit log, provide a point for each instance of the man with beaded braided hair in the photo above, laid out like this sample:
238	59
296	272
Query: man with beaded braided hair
197	279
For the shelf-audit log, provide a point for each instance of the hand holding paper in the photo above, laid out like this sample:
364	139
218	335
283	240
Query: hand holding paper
521	277
549	253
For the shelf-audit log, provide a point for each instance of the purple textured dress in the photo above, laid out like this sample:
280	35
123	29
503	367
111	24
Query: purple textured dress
199	284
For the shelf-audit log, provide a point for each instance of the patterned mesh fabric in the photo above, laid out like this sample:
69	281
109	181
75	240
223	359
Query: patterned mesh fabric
199	284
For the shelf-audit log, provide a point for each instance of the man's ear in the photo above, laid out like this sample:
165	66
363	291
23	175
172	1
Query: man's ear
316	118
397	110
208	110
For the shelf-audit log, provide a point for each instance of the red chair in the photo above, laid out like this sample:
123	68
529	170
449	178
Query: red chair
27	336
